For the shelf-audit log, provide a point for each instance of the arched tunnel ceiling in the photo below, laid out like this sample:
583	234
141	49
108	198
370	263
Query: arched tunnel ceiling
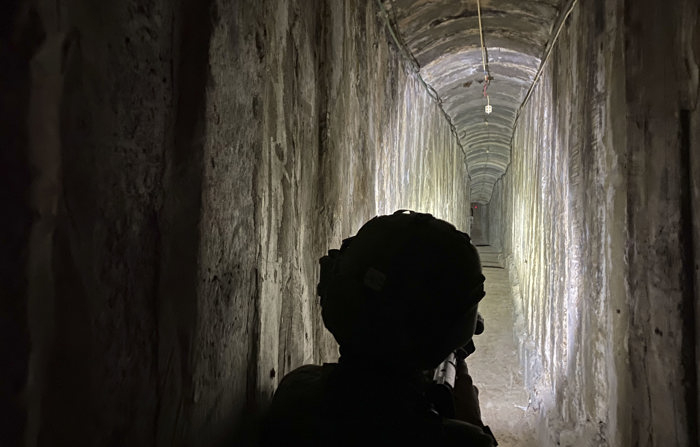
443	37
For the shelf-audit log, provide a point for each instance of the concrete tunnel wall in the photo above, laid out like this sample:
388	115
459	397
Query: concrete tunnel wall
598	218
480	227
176	169
148	305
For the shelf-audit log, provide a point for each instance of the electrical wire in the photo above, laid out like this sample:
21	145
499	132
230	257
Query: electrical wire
415	67
544	62
562	22
487	110
483	60
481	36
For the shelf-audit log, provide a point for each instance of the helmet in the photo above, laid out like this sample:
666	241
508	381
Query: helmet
407	284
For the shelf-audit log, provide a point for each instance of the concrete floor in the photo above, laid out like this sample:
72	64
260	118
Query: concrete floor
495	367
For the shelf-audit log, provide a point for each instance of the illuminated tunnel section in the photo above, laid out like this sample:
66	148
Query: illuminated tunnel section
485	137
576	189
444	39
174	170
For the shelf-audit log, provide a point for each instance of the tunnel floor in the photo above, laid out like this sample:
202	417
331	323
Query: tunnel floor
495	367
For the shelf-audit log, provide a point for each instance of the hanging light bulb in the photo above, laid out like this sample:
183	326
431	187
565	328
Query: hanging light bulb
488	109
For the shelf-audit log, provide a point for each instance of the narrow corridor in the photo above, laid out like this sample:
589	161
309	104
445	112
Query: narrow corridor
172	171
495	366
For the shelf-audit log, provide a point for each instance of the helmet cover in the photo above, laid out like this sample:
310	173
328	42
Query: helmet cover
399	284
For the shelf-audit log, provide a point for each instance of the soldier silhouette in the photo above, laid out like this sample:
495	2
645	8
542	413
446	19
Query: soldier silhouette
399	297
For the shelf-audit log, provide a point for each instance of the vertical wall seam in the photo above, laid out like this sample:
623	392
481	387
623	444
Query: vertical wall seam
181	237
687	243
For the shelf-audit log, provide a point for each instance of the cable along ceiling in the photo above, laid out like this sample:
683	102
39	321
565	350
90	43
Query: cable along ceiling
475	54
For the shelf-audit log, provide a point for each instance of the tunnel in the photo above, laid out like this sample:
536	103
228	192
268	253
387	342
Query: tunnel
172	170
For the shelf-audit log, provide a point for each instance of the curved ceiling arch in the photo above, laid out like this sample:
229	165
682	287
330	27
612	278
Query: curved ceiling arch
443	37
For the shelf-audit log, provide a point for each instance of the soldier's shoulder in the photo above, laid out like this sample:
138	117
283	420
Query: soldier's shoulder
306	375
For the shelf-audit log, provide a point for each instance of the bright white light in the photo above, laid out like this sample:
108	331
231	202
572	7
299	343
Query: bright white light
489	109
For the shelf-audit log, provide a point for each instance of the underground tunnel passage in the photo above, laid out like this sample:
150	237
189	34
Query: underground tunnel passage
173	170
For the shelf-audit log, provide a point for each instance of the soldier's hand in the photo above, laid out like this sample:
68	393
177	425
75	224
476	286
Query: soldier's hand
466	396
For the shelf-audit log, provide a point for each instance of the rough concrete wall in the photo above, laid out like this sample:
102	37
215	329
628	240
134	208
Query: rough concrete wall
694	186
347	133
601	228
190	163
98	122
662	260
18	42
496	220
480	230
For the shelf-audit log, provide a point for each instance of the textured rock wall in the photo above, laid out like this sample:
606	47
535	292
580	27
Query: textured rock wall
480	229
347	133
15	184
190	161
98	123
600	202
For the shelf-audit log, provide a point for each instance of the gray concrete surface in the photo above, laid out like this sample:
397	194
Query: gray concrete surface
186	164
495	365
591	213
444	39
171	172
